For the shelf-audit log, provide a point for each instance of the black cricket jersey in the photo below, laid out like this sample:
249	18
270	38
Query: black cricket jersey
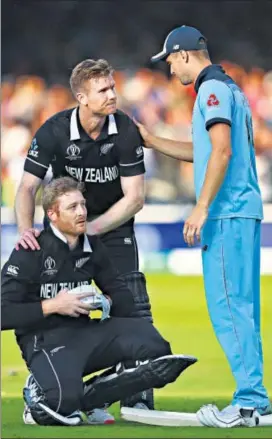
62	143
29	277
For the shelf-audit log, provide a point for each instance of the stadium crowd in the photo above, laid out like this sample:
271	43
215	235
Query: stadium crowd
162	104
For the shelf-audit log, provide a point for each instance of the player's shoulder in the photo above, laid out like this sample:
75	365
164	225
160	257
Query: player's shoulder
123	120
61	116
58	121
21	261
213	85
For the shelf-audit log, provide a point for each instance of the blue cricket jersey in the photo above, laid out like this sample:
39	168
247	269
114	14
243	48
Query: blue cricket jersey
219	99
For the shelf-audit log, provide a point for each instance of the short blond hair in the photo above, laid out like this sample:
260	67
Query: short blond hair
88	69
58	187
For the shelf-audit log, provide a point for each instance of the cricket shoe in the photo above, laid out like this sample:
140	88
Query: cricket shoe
27	417
100	417
232	409
232	416
37	411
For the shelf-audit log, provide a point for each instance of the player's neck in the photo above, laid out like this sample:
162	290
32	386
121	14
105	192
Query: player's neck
199	67
72	241
91	123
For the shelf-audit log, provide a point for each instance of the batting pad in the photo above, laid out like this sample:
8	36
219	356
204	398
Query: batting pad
173	419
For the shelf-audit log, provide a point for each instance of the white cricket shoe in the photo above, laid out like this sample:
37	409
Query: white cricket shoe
100	417
27	417
232	409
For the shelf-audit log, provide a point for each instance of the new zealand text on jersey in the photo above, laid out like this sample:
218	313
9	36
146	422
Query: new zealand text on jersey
94	175
50	290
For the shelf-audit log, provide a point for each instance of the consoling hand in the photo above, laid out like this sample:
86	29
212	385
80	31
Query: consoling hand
28	239
146	135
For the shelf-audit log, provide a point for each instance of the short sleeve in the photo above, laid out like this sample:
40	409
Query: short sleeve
215	100
41	151
131	152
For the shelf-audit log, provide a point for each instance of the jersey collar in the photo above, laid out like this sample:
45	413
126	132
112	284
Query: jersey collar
75	131
86	245
213	71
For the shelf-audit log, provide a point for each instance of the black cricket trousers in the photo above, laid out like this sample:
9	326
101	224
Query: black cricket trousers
59	358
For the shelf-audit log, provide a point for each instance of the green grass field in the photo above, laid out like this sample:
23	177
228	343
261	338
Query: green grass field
180	313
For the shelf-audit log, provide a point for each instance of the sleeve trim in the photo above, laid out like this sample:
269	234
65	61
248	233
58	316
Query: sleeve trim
36	163
216	120
131	164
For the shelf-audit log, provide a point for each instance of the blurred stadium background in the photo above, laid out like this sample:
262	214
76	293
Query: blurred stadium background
43	40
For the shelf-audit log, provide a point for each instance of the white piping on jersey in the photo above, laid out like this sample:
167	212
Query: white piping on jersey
112	128
36	163
74	132
131	164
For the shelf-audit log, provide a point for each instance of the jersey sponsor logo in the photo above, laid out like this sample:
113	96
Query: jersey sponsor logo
212	101
127	241
139	151
73	152
13	270
94	175
33	150
106	148
50	266
50	290
80	262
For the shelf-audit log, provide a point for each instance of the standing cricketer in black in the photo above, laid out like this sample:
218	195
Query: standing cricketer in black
99	145
59	342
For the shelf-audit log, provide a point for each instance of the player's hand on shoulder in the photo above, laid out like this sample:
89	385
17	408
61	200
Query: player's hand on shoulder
70	304
146	135
28	239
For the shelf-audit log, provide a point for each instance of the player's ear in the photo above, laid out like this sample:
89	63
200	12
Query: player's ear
52	214
184	55
82	98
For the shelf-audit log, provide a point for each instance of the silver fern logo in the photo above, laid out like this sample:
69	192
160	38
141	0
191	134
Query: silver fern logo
81	262
106	148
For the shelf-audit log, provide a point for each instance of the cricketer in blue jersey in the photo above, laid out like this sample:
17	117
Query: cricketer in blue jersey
228	213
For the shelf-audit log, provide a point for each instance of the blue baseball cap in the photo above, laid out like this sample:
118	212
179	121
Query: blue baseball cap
181	38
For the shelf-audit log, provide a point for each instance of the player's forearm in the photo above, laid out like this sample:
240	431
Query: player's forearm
172	148
215	174
117	215
20	315
24	208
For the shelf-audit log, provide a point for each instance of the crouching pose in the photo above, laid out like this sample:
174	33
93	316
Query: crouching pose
60	343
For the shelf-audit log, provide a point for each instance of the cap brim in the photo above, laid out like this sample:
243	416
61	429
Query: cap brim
160	56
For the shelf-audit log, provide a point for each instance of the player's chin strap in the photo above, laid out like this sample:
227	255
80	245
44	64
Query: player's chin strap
210	416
